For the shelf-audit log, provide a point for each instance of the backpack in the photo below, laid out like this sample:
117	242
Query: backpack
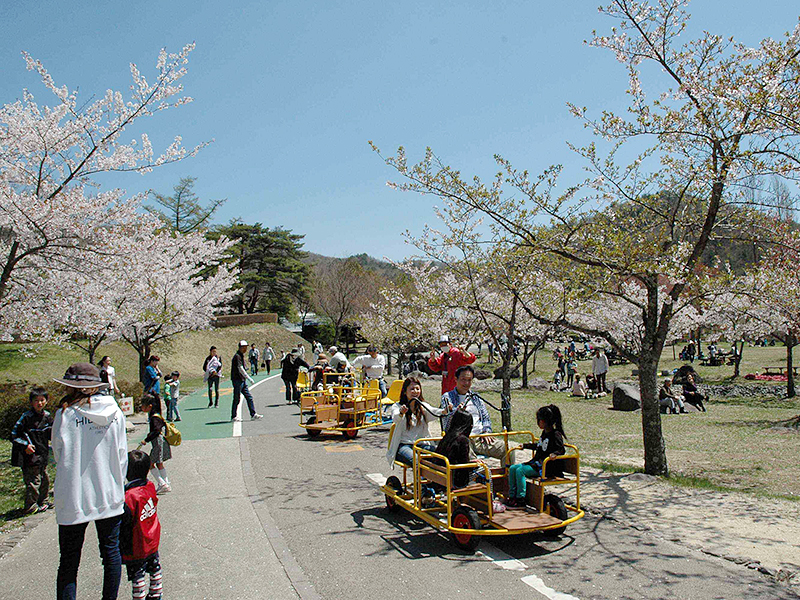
172	435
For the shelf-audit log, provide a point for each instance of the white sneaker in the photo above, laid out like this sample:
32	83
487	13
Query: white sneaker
256	416
235	419
163	489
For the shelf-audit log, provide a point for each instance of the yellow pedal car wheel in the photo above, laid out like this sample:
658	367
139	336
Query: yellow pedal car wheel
394	483
312	433
555	507
466	518
350	431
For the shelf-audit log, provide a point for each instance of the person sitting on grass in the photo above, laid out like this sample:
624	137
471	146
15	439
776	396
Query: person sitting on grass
550	444
579	387
31	449
140	533
691	395
669	399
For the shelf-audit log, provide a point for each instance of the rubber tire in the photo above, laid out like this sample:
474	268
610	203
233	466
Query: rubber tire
466	518
394	483
312	433
350	434
553	505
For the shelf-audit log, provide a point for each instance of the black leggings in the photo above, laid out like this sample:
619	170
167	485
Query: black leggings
291	389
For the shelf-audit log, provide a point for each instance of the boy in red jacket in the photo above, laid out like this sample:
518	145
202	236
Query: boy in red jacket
141	532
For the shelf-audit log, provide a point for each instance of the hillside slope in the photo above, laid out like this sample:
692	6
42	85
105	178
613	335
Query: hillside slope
185	354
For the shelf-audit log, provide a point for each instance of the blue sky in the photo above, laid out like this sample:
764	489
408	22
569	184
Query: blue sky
291	92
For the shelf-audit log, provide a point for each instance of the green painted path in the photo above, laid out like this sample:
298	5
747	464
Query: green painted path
198	422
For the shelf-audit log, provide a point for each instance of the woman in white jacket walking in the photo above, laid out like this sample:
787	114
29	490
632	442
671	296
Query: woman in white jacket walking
91	453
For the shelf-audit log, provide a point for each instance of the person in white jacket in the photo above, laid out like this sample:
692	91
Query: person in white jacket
91	453
411	415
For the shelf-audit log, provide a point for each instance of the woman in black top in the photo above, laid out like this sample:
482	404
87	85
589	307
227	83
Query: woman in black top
691	395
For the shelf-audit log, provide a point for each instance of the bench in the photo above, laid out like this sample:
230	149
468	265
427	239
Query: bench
778	370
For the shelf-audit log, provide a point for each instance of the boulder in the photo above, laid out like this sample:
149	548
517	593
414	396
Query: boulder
482	374
537	383
626	397
498	374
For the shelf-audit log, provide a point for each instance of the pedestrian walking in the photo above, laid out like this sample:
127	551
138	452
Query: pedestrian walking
212	371
109	375
254	356
268	356
91	453
160	450
239	379
140	532
290	367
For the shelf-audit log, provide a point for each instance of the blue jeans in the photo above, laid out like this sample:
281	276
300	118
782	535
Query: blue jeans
240	389
172	409
253	368
405	453
70	543
517	483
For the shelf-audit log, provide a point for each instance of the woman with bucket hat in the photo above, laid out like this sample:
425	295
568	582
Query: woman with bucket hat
91	453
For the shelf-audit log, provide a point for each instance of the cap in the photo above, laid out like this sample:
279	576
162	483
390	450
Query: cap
243	343
444	339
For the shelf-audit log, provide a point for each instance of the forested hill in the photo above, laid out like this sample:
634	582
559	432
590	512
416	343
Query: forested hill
384	269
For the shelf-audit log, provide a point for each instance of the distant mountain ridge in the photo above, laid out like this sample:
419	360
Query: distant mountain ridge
384	269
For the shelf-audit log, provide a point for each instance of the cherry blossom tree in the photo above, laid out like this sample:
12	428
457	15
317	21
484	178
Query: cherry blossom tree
721	113
53	223
176	284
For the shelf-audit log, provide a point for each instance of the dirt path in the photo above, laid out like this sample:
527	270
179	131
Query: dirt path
761	533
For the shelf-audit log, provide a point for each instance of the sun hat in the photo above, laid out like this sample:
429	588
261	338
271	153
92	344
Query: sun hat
333	350
444	339
82	375
243	343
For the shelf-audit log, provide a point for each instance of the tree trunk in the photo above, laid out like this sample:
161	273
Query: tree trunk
144	354
525	356
791	341
655	457
533	367
389	362
737	360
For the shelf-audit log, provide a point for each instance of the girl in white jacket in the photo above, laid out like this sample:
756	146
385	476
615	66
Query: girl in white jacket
411	415
91	453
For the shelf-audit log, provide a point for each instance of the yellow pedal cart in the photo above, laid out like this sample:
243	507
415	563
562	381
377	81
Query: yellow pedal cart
468	512
340	408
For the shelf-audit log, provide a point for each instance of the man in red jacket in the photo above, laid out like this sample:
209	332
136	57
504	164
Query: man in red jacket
447	361
140	533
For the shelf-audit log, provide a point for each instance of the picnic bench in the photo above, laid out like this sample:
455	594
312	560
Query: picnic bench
779	371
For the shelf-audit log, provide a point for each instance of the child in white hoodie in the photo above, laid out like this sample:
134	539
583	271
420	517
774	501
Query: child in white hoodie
91	453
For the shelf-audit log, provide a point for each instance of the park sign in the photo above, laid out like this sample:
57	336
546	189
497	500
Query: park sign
126	405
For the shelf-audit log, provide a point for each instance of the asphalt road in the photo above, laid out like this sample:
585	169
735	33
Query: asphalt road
332	517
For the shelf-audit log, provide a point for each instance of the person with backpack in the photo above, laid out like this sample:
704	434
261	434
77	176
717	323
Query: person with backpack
160	449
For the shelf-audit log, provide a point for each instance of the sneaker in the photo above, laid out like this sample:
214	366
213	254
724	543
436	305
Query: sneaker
235	419
33	509
256	416
163	489
209	405
515	503
47	506
176	420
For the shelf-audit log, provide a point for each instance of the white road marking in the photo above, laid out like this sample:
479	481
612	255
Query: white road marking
539	585
378	478
501	559
237	425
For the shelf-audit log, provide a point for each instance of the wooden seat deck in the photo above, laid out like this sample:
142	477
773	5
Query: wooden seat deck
322	425
522	519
